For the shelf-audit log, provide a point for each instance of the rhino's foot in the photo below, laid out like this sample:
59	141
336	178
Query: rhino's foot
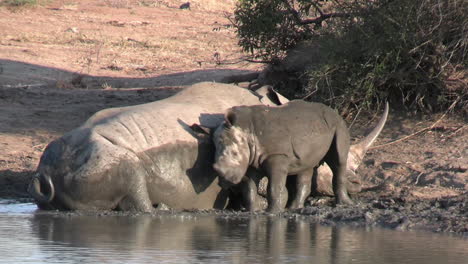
295	206
136	203
344	200
162	207
274	209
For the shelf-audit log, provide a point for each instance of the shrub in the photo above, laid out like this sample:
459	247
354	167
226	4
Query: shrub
266	29
406	51
18	3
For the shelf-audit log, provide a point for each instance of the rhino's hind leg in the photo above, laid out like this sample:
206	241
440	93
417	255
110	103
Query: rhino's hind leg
303	185
337	158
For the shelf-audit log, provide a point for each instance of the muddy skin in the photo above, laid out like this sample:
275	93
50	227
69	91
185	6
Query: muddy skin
322	176
280	141
134	158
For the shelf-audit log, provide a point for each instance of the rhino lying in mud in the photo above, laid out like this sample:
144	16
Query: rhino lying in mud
136	157
292	139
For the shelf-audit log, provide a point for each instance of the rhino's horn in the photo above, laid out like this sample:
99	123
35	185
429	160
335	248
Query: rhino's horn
35	191
357	151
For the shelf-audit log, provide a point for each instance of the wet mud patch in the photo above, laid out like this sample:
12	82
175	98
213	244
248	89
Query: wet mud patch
401	212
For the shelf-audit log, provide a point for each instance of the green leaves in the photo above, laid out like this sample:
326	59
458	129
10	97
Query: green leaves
370	50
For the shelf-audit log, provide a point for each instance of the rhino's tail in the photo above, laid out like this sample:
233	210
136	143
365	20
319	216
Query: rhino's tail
41	188
357	151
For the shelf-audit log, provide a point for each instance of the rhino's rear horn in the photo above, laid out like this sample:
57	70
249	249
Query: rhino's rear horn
357	151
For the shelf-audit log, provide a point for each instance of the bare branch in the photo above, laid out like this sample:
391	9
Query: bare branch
320	19
317	20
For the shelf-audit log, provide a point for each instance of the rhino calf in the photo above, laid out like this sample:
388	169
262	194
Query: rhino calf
291	139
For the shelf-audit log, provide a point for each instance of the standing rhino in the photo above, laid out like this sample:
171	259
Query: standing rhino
136	157
289	140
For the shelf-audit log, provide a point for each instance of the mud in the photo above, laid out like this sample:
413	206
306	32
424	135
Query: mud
446	215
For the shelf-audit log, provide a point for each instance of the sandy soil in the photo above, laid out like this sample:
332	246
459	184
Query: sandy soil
60	62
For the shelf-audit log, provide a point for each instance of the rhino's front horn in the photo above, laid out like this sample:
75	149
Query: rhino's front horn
357	151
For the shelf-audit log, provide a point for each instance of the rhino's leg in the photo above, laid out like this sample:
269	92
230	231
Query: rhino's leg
276	168
137	198
337	158
248	190
303	185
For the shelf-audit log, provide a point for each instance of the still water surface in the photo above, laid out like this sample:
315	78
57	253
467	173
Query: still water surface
30	237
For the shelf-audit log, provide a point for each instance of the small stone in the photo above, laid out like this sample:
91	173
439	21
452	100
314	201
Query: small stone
185	6
72	30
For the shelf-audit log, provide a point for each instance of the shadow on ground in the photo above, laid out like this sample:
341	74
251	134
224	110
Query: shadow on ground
14	183
15	73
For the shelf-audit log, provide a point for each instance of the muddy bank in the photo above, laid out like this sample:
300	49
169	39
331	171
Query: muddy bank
398	212
418	183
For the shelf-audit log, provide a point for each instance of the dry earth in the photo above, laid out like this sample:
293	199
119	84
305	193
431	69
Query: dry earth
61	61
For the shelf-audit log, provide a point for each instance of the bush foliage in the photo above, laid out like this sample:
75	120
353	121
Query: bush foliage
18	3
408	51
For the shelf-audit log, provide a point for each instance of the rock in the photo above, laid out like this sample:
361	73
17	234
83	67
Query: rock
185	6
72	30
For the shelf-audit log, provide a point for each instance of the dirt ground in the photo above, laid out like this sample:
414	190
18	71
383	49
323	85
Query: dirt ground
61	61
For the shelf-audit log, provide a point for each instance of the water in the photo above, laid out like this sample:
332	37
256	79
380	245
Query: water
30	237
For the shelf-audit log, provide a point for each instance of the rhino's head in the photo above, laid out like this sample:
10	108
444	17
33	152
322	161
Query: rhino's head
232	156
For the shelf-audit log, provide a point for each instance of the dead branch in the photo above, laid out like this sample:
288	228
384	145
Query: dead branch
317	20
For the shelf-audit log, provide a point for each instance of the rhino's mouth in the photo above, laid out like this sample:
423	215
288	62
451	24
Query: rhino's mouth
228	176
224	183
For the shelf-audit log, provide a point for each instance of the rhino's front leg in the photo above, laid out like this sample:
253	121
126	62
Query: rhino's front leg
303	185
137	196
249	193
249	189
276	169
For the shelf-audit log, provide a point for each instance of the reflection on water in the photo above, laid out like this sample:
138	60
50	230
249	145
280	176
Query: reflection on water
26	237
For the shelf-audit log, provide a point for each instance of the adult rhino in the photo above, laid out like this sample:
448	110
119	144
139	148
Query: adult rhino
135	157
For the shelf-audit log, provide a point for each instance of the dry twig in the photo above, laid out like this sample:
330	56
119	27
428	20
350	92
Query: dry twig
419	131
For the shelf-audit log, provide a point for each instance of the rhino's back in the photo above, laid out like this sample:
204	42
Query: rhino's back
142	127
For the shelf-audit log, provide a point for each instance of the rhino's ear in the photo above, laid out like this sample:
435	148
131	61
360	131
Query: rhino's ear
270	97
230	118
199	129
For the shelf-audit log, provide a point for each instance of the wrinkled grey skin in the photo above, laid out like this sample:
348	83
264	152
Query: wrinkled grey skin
322	177
136	157
322	181
291	139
